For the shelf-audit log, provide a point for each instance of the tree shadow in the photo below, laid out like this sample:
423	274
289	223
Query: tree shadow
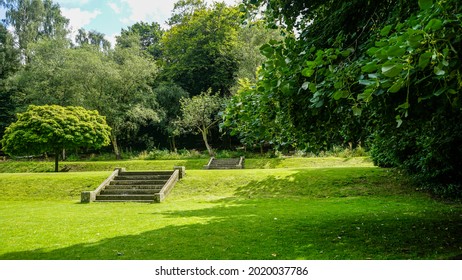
267	229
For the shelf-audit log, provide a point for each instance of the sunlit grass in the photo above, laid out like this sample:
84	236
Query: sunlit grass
285	213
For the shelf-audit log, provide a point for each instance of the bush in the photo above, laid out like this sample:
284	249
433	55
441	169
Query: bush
429	151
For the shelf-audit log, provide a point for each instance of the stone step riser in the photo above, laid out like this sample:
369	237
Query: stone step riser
145	174
124	197
142	177
134	187
137	182
128	192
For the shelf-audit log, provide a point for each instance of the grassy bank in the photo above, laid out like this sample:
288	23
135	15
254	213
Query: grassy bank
190	164
283	213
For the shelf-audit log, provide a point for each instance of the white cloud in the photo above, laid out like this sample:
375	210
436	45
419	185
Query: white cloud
112	39
154	11
73	2
115	7
148	11
78	19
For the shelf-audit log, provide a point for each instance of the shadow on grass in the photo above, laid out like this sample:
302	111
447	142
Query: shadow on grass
280	229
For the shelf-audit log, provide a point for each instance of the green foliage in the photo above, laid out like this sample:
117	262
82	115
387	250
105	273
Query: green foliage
9	64
199	114
147	37
34	19
168	97
53	128
200	52
344	77
93	38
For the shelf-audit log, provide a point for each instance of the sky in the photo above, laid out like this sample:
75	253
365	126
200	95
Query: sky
110	16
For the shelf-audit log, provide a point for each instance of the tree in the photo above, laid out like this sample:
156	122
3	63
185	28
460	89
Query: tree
116	83
92	38
199	52
9	64
199	114
250	38
390	74
146	35
34	19
168	97
184	9
52	128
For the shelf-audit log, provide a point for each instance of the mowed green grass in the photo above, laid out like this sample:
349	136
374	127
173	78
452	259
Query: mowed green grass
282	213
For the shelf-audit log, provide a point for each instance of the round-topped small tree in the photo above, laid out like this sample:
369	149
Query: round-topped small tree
52	128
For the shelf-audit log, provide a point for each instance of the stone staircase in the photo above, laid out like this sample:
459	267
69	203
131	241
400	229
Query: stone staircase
123	186
225	163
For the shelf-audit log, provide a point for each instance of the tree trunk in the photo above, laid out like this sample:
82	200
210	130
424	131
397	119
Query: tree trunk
56	161
204	136
116	147
173	144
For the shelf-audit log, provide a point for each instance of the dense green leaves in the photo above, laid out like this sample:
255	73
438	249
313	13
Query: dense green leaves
396	63
52	128
199	114
200	51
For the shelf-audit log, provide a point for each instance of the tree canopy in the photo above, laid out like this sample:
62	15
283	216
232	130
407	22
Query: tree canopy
52	128
387	77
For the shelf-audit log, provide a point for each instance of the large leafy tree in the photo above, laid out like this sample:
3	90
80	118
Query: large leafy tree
34	19
9	64
117	83
146	36
394	67
199	51
93	38
52	128
168	97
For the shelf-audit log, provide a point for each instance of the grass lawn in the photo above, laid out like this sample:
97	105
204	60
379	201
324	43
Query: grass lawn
292	211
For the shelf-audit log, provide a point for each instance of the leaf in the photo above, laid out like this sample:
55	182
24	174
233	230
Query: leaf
425	4
366	95
367	82
386	30
357	111
308	72
424	59
438	71
434	25
391	69
370	67
396	86
340	94
267	50
399	121
396	51
305	85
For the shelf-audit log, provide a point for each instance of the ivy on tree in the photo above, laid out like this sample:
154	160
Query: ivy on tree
52	128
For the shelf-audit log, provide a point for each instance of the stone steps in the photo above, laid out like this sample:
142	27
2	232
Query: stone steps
139	186
229	163
134	187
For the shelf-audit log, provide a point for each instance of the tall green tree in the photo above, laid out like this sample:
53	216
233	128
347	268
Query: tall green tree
34	19
199	114
93	38
53	128
168	97
389	74
146	35
199	52
117	83
9	64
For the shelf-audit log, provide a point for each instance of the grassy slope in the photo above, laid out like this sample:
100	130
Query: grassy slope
291	213
190	164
